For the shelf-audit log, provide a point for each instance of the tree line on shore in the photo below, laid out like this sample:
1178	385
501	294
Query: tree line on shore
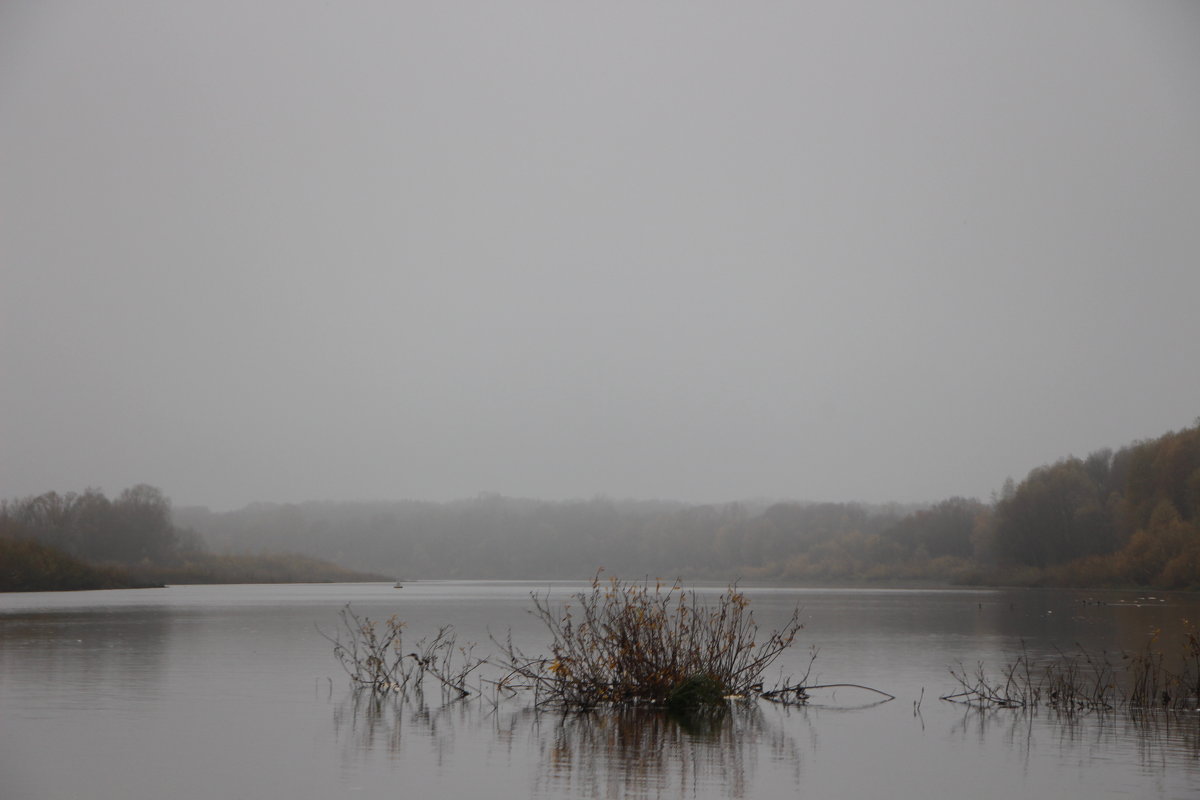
1129	517
86	540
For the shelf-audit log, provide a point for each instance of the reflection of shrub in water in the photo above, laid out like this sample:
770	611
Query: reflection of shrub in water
371	721
1157	737
618	751
629	752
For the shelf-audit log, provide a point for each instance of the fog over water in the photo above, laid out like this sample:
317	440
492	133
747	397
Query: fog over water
700	251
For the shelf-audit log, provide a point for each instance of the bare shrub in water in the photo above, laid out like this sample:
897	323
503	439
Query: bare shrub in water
372	654
626	642
1165	679
1146	679
618	644
1069	683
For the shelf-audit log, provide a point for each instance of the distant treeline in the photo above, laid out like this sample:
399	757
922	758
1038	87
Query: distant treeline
27	566
1124	518
1130	517
501	537
87	541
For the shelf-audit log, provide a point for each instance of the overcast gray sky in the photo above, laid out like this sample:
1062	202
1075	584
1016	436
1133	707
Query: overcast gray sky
692	250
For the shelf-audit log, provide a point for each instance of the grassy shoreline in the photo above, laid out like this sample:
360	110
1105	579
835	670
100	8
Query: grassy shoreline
29	566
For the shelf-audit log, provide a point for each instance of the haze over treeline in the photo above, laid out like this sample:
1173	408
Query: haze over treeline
293	250
1124	517
1130	516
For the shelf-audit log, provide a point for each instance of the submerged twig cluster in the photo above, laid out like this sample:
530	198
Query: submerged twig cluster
1081	681
372	654
616	644
1070	683
1162	678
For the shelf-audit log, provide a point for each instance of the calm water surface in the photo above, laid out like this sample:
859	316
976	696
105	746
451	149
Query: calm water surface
231	692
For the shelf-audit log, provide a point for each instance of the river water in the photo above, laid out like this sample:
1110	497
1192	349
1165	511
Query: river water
231	692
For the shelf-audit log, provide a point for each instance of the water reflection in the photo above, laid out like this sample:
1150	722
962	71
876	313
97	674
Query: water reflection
741	751
641	753
1160	737
628	752
1153	739
201	687
365	722
395	724
69	660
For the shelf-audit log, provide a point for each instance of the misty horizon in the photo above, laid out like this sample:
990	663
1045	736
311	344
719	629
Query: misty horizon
693	252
